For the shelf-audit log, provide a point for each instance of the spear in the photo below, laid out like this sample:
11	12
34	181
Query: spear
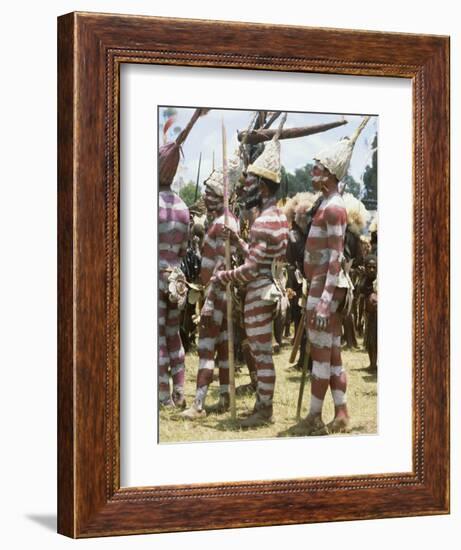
303	379
198	177
230	324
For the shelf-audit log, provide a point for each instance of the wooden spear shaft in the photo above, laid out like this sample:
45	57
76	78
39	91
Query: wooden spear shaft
198	177
230	324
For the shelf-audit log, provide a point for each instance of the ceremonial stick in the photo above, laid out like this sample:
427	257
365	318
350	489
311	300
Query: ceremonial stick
230	324
198	177
303	379
301	328
298	337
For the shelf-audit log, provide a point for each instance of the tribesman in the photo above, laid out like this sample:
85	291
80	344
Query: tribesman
267	245
369	289
173	230
328	285
213	336
357	219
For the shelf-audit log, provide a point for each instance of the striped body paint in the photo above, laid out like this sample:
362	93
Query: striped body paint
213	337
173	229
173	223
322	265
324	249
267	243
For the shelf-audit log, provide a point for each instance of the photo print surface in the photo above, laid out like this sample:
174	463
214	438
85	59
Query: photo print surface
267	274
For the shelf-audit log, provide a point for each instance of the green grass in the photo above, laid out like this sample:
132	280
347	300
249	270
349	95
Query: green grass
361	396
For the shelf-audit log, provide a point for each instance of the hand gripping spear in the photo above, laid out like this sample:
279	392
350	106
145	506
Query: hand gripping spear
230	324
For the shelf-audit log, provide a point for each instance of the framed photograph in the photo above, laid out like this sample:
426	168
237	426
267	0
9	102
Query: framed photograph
222	359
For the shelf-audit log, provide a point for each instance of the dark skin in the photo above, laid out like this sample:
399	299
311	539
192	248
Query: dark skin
366	248
371	268
370	271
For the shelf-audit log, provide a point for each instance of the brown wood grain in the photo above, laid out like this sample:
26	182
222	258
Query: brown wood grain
91	49
66	471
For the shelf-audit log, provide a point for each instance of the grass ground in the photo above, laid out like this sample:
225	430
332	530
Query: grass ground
361	395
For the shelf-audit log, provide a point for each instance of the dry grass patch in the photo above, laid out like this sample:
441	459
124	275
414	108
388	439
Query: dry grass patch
362	402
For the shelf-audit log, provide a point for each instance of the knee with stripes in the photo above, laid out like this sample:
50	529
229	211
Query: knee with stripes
321	371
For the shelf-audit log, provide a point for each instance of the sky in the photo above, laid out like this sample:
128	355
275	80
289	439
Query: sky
205	138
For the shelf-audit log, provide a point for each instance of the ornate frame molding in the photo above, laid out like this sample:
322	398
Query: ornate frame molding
91	49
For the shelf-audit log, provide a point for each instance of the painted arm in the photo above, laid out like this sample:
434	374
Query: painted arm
208	263
249	270
185	218
335	218
255	254
243	246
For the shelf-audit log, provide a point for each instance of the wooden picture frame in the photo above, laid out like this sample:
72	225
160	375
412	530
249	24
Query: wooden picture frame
91	49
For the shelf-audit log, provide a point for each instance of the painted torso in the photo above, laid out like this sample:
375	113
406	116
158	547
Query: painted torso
173	228
213	250
323	253
267	242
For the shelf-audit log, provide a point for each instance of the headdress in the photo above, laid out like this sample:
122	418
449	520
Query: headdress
168	155
338	157
215	180
357	215
267	165
297	207
374	224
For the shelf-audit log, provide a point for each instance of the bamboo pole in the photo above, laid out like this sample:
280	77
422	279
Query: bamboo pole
230	324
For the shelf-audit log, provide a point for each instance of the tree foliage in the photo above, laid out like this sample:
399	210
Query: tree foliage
301	181
370	178
187	193
353	186
298	182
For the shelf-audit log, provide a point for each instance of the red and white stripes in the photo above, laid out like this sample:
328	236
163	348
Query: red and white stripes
267	243
213	337
322	265
173	236
173	229
324	249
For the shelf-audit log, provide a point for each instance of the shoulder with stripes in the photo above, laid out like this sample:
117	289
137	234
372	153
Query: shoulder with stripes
335	210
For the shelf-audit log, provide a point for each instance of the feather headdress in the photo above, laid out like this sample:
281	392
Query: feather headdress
357	215
374	224
297	207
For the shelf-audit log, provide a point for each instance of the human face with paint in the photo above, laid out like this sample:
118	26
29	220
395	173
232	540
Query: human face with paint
213	202
320	176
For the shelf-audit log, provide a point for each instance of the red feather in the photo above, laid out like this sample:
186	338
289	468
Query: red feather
168	124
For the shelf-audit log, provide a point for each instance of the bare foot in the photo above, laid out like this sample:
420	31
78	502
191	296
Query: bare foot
311	425
340	424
